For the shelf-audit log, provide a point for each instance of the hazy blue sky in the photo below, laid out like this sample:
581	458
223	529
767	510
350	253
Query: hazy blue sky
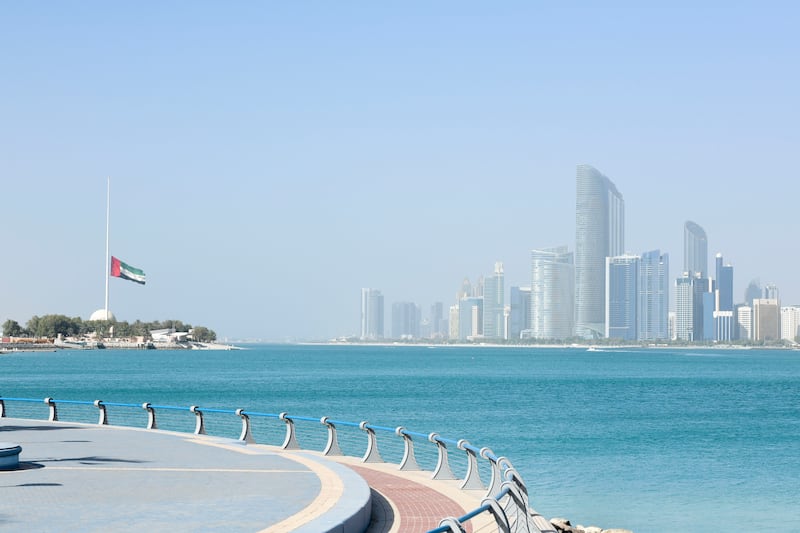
270	159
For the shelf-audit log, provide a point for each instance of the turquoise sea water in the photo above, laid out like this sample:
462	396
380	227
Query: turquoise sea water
650	440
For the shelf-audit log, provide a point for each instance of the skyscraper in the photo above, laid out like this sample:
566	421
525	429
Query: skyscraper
405	320
652	320
684	308
771	292
552	293
702	303
622	287
599	233
744	322
494	304
470	317
766	319
752	292
695	249
724	285
452	322
790	321
371	314
723	313
437	320
520	302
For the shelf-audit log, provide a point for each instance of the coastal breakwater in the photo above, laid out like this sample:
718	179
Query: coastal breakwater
111	344
562	525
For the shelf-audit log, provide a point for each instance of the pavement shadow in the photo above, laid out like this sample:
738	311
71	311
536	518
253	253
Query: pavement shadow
90	460
27	465
4	427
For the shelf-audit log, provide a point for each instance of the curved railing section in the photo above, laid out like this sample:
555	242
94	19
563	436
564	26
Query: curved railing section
505	500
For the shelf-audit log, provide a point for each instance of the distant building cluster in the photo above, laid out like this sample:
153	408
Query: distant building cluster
599	291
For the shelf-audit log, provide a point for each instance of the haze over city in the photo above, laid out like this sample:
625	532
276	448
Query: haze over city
269	161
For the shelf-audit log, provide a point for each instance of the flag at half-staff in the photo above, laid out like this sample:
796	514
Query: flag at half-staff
125	271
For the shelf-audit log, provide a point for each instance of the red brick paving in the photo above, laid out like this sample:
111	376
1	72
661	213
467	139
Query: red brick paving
420	508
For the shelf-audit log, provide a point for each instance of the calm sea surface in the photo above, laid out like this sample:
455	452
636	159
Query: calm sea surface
651	440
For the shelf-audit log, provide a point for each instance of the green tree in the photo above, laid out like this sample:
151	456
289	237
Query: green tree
33	326
52	325
11	328
203	334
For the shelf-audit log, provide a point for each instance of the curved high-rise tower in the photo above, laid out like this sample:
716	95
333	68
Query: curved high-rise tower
599	233
695	249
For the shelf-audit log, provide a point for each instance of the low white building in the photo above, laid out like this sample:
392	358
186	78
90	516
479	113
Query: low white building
169	336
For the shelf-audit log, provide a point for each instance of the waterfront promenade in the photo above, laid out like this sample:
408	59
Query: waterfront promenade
87	477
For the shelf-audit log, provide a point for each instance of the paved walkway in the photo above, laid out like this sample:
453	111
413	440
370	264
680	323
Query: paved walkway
81	477
405	505
84	477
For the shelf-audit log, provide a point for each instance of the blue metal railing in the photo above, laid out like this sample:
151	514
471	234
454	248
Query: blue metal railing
505	501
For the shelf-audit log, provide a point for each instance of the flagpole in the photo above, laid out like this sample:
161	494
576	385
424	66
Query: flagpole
108	225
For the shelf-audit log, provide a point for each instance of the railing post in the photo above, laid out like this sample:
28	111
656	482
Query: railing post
500	516
103	421
372	455
497	477
332	446
53	410
452	524
290	442
409	461
199	426
151	416
519	498
473	478
2	409
511	474
443	470
247	435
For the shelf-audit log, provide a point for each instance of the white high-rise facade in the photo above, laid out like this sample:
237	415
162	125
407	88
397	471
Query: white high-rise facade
744	322
552	293
790	321
599	233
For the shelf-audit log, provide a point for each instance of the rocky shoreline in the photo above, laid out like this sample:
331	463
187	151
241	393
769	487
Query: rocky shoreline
562	525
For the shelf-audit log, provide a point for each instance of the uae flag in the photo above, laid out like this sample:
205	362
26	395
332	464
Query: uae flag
125	271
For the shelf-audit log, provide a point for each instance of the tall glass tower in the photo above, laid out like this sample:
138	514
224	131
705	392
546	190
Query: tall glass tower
724	285
622	288
520	301
684	308
695	250
552	293
494	304
371	314
599	233
652	314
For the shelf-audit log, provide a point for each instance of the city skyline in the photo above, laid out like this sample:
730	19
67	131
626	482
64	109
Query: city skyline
634	294
292	156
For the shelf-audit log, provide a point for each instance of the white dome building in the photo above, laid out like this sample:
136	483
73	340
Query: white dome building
102	314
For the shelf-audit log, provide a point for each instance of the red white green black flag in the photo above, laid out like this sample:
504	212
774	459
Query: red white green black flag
125	271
